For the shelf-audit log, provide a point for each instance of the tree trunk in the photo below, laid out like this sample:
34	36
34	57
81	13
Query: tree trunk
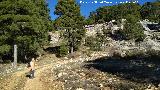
15	56
72	51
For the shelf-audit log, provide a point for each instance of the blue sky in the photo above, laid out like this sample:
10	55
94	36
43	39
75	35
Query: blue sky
89	5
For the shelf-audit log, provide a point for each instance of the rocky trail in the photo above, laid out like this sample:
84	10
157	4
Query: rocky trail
36	83
54	73
17	80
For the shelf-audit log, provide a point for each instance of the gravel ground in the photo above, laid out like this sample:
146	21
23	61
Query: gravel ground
7	69
75	76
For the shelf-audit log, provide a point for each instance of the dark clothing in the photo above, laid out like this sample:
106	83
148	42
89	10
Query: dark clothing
32	73
28	65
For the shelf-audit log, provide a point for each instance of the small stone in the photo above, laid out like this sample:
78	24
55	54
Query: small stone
149	86
150	65
82	74
60	74
152	88
110	80
65	57
114	80
79	89
107	88
101	85
19	68
131	89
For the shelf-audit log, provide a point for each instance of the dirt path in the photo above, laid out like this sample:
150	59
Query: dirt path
35	84
18	81
32	84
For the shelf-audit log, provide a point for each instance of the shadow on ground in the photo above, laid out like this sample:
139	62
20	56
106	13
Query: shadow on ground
138	70
53	50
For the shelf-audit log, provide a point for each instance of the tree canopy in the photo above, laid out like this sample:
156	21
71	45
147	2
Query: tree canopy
25	23
115	12
132	30
70	20
151	11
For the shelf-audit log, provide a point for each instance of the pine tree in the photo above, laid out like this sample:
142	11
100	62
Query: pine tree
71	21
25	23
132	29
115	12
151	11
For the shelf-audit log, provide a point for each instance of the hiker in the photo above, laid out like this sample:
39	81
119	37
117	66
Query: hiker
31	68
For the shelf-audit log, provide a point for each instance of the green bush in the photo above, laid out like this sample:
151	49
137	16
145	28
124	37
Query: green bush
63	50
95	43
136	53
132	30
107	32
153	54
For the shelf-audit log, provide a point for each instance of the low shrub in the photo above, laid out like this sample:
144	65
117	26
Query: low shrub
95	43
63	50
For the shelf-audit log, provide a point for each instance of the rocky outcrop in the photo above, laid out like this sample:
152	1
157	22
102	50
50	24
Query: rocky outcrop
123	47
146	23
54	38
93	29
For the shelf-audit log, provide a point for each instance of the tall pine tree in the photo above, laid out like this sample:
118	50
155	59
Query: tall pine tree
25	23
71	20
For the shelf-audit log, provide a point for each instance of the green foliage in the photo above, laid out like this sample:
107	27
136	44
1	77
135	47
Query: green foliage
91	19
63	50
4	49
67	7
132	32
149	54
92	43
153	54
131	19
25	23
129	8
135	53
71	21
151	11
132	29
107	32
108	13
95	43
